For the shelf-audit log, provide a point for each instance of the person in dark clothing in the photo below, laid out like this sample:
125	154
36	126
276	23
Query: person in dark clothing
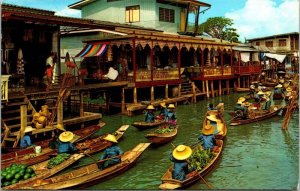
26	140
171	116
55	134
207	137
149	115
163	111
179	156
112	151
65	145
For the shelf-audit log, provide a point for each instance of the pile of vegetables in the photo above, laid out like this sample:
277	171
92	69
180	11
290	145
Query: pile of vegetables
167	128
57	160
15	173
199	159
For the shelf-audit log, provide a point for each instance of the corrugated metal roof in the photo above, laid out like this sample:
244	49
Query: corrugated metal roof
273	36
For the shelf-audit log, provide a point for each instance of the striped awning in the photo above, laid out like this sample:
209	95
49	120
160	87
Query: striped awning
95	49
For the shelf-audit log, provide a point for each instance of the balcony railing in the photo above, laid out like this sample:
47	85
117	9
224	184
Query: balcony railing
158	75
4	87
210	71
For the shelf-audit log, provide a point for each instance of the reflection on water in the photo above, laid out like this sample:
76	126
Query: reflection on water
256	156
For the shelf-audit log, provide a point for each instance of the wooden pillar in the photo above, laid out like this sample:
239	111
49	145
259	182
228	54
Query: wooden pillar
151	60
134	95
60	113
167	91
203	86
123	100
222	63
23	114
194	92
207	89
212	88
152	94
227	86
220	88
239	82
81	105
179	61
179	90
134	60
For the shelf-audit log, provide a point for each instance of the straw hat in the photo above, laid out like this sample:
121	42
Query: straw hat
252	86
247	104
66	136
260	93
163	104
281	80
278	86
150	107
171	106
254	82
268	93
111	138
212	118
289	89
239	102
208	129
28	129
60	127
182	152
242	99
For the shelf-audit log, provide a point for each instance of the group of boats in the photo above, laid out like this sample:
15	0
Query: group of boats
90	174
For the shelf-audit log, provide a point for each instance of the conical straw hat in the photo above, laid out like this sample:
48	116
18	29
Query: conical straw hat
66	136
182	152
111	138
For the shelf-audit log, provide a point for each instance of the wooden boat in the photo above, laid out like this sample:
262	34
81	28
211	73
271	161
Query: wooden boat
168	183
242	89
278	96
269	84
98	144
256	115
43	172
144	125
89	174
221	124
29	157
82	134
161	138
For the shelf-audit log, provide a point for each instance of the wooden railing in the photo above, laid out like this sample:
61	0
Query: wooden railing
210	71
4	87
158	75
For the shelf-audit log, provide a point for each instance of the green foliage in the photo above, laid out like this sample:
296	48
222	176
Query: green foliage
167	128
220	27
200	158
57	160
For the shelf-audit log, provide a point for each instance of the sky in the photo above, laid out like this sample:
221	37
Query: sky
252	18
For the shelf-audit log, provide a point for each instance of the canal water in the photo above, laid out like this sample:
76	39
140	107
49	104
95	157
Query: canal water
256	156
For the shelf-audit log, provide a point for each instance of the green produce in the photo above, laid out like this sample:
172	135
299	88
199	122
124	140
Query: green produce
15	173
164	129
200	159
57	160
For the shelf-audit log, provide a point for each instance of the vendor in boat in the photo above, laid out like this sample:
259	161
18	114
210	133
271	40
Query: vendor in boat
65	145
26	140
207	137
149	115
212	120
240	110
179	156
112	151
252	91
267	99
59	128
171	116
163	111
211	107
278	89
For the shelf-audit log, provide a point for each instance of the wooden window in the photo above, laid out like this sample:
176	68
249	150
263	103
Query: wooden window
132	14
282	42
257	43
166	15
269	43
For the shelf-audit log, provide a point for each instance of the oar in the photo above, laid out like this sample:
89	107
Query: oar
208	185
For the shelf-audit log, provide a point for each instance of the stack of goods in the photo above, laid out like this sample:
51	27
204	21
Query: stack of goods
41	118
167	128
200	158
53	162
15	173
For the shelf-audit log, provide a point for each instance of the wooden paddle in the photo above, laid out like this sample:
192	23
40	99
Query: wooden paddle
208	185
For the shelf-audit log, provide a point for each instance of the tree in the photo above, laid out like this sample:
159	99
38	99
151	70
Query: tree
220	27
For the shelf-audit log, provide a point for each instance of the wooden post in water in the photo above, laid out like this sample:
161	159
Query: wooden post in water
167	91
244	81
212	88
194	92
179	90
134	95
81	110
152	93
123	100
220	88
60	113
227	87
239	82
207	88
203	86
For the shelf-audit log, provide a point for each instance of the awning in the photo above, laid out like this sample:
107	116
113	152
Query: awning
95	49
278	57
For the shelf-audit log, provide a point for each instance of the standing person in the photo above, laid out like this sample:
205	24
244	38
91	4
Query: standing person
179	156
112	151
149	115
65	145
55	136
26	140
163	111
171	116
207	137
49	75
51	61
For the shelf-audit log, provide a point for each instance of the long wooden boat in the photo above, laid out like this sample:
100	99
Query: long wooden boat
257	115
144	125
241	89
269	84
89	174
162	138
221	124
42	172
168	183
29	157
98	144
82	134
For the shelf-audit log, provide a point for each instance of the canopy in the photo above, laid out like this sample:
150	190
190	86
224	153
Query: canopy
95	49
279	57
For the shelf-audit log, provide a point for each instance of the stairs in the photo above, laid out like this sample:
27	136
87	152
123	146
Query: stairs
186	87
11	120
